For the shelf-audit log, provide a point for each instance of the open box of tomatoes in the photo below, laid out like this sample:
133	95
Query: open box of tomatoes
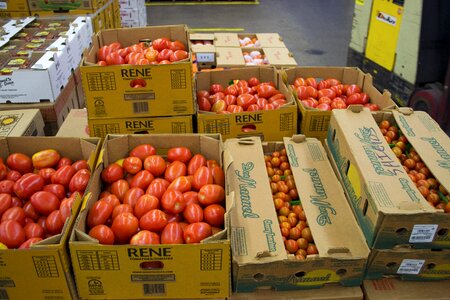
42	180
318	90
292	227
153	224
244	102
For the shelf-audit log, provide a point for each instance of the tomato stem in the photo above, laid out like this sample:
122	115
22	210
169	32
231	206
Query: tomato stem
442	196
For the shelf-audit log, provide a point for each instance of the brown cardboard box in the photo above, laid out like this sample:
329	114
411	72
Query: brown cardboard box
259	255
75	124
270	125
116	272
393	288
24	122
44	270
314	122
167	89
228	57
55	5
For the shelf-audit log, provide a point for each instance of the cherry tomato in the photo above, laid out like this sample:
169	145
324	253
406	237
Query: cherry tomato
142	179
214	215
99	213
103	234
144	204
54	222
11	234
45	159
174	170
132	195
196	232
211	194
145	237
27	185
63	175
124	226
193	213
182	154
155	164
112	172
172	234
14	213
20	162
154	220
120	188
132	164
173	201
79	181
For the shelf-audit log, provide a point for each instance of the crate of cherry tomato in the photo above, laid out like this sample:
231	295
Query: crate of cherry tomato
244	102
42	180
399	197
292	227
138	72
156	208
319	90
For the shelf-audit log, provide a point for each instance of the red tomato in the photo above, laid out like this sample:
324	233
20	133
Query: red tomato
20	162
172	234
3	171
337	89
237	109
181	183
218	175
202	93
66	208
231	90
160	44
157	188
338	104
144	204
326	93
123	52
29	242
202	176
219	106
176	45
214	215
132	195
132	164
155	164
372	106
142	151
174	170
196	232
63	175
33	230
64	161
102	63
354	98
16	202
193	213
133	57
352	89
191	197
11	234
323	106
79	181
229	100
47	173
27	185
114	58
203	104
111	199
80	164
124	226
266	91
302	92
44	202
245	100
300	81
196	162
112	172
120	188
178	55
277	97
364	98
29	211
45	159
121	208
145	237
99	213
269	106
57	189
312	92
54	222
310	81
214	88
13	175
164	54
14	213
323	84
173	201
103	52
211	194
5	202
115	46
324	99
182	154
154	220
103	234
333	81
142	179
253	81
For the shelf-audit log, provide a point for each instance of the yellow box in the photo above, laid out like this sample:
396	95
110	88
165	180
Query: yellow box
270	125
43	271
118	271
167	89
13	14
314	122
143	125
55	5
14	6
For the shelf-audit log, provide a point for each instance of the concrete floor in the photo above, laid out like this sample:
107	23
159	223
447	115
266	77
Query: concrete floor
316	32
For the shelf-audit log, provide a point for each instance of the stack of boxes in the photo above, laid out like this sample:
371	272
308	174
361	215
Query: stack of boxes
133	13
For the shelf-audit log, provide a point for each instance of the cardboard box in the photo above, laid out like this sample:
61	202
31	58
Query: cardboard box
144	125
75	124
314	122
21	123
44	270
13	14
259	255
409	264
433	146
227	57
270	125
269	40
167	90
55	5
387	205
125	4
393	288
14	5
117	272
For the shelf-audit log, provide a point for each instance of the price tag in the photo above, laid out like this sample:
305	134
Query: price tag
423	233
410	266
205	57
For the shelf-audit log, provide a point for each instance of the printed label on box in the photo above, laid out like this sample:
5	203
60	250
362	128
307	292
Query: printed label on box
410	266
423	233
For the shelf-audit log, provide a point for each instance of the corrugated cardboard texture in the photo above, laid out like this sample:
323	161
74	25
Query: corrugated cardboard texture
75	124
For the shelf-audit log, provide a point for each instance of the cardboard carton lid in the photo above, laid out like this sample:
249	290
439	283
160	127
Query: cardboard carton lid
203	49
75	124
431	142
226	40
280	57
229	57
270	40
23	122
333	225
201	37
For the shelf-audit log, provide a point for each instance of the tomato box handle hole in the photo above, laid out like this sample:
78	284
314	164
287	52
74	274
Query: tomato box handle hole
300	274
442	232
401	231
341	272
248	128
138	83
391	265
151	265
431	266
258	276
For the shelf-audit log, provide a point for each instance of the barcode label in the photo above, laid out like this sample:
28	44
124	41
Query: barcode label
140	107
155	289
423	233
410	266
4	295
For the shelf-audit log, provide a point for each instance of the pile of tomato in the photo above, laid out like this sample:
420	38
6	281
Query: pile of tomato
159	51
36	195
241	95
148	199
430	188
297	236
329	94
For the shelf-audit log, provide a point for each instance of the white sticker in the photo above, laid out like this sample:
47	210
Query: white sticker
410	266
423	233
3	5
205	57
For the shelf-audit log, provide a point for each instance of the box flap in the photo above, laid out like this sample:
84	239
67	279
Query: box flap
322	197
226	39
280	57
201	37
229	57
203	49
270	40
255	237
425	135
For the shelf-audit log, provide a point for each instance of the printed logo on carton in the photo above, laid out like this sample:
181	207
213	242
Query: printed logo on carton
445	163
247	118
147	253
143	124
247	183
314	278
138	72
6	82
